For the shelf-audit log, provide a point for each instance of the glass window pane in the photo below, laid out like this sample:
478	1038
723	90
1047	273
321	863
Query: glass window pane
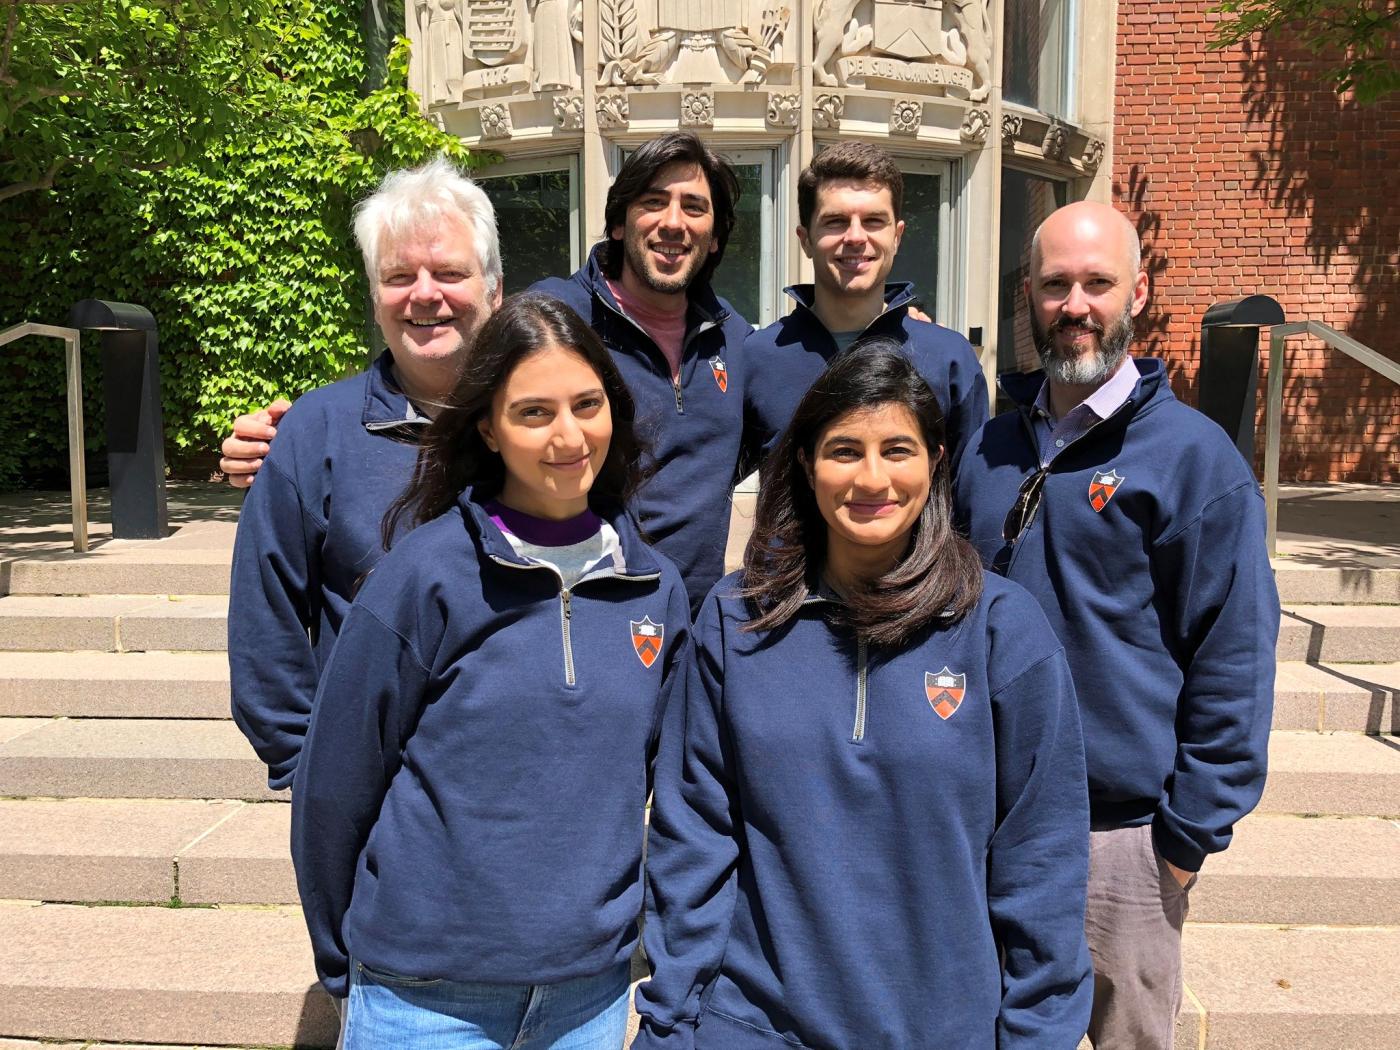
917	260
738	277
534	218
1035	54
1026	200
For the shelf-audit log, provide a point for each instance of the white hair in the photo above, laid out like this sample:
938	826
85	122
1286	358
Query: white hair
411	200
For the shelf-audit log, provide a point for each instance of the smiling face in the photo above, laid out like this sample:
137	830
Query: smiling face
870	474
853	237
430	294
670	232
1084	291
551	424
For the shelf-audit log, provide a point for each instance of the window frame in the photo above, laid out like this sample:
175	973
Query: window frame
568	162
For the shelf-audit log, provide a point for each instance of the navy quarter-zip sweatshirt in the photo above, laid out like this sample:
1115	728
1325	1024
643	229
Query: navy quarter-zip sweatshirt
785	358
846	842
1147	555
308	531
693	425
470	800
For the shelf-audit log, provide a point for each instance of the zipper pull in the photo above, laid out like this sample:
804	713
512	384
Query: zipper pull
566	596
676	386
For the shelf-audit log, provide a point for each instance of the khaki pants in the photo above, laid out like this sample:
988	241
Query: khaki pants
1133	924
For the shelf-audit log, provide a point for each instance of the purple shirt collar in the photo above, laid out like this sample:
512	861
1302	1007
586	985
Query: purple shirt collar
542	532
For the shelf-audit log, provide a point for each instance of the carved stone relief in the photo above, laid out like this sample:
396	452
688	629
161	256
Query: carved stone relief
568	112
1093	154
975	125
613	110
697	109
783	109
480	48
1011	124
495	121
932	47
692	41
906	114
1055	141
827	112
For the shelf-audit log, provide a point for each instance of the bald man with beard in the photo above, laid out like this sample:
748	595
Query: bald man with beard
1140	529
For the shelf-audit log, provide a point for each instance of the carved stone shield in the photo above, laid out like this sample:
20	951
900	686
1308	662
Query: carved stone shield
495	30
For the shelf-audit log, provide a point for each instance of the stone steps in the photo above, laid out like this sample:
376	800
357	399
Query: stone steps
114	685
103	572
1331	585
128	758
1294	987
1342	774
1279	869
144	850
163	684
1342	871
1356	698
239	976
113	623
1340	634
198	976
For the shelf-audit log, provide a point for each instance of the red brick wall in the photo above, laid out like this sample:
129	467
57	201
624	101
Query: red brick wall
1246	173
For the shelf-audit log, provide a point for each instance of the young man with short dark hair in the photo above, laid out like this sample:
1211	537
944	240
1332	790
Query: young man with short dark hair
850	201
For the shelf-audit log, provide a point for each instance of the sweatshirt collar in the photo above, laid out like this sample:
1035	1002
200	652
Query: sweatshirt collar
898	294
633	559
1148	384
701	296
1104	401
386	406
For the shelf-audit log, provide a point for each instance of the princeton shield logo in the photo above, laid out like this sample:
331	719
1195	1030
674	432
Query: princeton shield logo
944	691
1102	488
721	373
646	640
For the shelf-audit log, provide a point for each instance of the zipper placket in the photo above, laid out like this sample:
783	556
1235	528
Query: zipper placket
704	326
1017	545
566	597
565	615
862	686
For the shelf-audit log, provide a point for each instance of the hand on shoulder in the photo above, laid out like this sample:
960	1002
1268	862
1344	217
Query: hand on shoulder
244	449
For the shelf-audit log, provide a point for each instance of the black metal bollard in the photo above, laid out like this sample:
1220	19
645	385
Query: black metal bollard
1229	377
135	428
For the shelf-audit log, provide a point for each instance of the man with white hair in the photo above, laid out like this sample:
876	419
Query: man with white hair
1140	530
310	529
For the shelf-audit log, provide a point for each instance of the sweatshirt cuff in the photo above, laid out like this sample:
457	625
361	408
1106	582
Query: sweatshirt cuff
651	1036
1181	852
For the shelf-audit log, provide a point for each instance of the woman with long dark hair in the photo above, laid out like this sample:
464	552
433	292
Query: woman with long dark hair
467	822
870	824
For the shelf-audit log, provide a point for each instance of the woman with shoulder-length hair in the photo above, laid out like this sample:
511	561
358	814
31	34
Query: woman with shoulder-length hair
467	822
870	827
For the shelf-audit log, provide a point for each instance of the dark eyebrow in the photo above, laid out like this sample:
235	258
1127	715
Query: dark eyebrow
596	391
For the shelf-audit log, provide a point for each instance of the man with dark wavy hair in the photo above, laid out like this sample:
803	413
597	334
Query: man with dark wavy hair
645	289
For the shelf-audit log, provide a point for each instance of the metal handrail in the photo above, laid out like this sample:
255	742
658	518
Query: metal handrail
1273	418
77	478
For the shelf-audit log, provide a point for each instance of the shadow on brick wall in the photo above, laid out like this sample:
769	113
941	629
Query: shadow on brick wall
1152	329
1330	165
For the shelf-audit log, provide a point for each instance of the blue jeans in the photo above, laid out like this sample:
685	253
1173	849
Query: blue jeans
384	1010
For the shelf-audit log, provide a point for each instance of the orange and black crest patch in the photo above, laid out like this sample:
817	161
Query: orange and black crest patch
721	373
646	639
1102	488
945	691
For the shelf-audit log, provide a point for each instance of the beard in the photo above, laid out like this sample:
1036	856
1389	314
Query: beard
638	260
1088	369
